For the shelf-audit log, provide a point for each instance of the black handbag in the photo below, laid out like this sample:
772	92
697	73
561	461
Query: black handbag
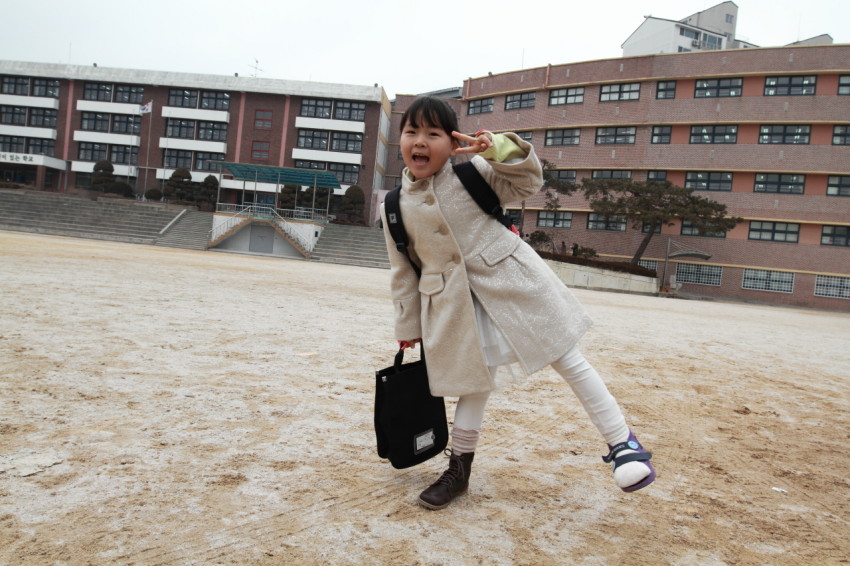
410	423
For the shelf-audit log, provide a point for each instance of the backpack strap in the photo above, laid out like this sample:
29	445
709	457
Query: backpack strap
482	193
395	224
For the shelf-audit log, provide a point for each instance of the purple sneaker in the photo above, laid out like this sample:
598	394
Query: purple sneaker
640	455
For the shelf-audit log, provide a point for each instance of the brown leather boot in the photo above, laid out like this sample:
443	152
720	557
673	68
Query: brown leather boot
452	483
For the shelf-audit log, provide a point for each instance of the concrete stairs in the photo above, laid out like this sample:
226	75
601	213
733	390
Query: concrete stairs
352	245
64	215
191	231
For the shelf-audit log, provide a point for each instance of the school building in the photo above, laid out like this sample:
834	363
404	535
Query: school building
765	131
57	121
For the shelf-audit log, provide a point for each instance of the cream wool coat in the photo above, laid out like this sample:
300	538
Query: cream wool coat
462	250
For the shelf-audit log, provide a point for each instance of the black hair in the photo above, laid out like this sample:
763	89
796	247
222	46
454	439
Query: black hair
430	111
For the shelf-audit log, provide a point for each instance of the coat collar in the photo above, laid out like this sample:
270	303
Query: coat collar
408	183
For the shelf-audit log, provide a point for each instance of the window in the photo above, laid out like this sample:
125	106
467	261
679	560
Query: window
122	124
656	176
40	146
16	85
619	135
12	143
305	164
92	151
688	32
661	134
345	141
646	226
263	119
350	111
522	100
688	229
562	137
843	84
184	129
514	216
213	131
124	154
313	139
714	88
708	180
838	186
206	161
626	91
566	96
835	236
183	98
780	183
568	175
764	280
347	174
649	264
98	91
130	94
774	231
665	89
832	286
841	135
43	117
260	150
611	174
480	106
215	100
615	223
527	136
730	18
45	87
95	122
316	108
177	159
699	274
788	134
554	219
714	134
790	86
16	115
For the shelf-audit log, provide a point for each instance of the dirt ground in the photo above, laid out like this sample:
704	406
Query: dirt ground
162	406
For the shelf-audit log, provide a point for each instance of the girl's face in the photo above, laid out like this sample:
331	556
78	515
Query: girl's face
426	148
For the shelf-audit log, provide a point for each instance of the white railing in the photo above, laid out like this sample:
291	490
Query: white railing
241	214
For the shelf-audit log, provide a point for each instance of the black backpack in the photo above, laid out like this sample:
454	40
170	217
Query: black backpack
478	188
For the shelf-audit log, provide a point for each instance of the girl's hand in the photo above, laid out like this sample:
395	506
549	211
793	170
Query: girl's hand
480	142
404	344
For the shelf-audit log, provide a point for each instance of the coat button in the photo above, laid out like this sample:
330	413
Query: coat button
443	229
456	258
429	200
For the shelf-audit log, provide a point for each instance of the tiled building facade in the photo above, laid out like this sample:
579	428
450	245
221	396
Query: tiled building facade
764	131
57	121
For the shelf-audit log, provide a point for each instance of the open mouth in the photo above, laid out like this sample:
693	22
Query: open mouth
420	158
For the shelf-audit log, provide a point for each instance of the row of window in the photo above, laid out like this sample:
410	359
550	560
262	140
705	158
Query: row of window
345	173
829	286
759	230
25	86
788	183
196	130
25	116
789	134
791	85
339	109
348	142
33	146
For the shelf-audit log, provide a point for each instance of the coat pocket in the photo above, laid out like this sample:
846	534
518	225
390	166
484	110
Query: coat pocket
500	249
431	283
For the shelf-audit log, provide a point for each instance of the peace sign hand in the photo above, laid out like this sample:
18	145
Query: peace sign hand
481	141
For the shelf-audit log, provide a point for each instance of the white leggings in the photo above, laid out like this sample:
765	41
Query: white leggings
601	407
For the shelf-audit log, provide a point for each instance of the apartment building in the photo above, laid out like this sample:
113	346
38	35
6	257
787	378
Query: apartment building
57	121
766	131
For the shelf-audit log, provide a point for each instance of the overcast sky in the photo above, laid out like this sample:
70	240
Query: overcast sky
406	47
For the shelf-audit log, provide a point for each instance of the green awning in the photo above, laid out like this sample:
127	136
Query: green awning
282	175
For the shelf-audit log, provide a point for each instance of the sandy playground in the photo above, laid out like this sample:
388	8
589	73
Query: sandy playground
162	406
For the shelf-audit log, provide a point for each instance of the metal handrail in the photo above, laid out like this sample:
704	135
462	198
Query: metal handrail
239	214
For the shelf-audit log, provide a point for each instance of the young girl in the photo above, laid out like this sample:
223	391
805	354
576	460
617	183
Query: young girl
485	299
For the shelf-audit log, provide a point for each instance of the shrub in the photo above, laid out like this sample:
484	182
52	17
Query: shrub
153	194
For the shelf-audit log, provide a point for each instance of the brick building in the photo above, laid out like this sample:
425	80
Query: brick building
57	121
765	131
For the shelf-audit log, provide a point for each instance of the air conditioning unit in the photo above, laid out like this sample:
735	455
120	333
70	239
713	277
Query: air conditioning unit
695	43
